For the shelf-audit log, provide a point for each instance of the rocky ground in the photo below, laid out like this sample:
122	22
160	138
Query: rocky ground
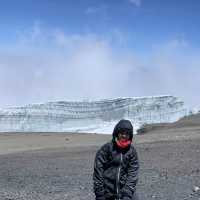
169	166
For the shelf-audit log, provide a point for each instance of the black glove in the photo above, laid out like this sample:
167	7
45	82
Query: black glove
126	198
100	198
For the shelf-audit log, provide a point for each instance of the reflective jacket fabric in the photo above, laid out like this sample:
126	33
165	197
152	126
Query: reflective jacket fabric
115	172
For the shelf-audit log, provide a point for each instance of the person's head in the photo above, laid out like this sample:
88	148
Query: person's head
123	131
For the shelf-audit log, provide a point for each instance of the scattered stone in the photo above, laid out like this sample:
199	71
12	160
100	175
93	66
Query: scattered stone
196	189
66	173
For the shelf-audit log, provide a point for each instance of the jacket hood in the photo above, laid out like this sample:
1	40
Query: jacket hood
123	125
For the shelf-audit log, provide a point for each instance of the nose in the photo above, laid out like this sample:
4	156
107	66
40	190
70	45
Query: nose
123	136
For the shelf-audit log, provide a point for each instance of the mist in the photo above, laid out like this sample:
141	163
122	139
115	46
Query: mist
52	65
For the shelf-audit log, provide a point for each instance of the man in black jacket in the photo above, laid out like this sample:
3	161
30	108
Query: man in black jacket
116	166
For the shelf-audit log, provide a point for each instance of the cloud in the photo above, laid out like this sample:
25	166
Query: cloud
91	10
136	2
49	65
31	34
64	67
96	10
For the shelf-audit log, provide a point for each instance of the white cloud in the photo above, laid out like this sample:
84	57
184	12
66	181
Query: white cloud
31	34
136	2
68	67
91	10
96	10
54	65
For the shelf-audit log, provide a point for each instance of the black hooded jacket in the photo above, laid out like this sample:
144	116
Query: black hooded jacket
116	170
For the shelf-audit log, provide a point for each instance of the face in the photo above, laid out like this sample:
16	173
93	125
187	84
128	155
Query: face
123	135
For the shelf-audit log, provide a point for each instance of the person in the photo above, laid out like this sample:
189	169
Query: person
116	166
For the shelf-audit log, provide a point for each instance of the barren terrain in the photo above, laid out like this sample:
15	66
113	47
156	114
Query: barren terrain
59	166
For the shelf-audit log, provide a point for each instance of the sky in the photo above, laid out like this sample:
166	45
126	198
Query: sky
52	50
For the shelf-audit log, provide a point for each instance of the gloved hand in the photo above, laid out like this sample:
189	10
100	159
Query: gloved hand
126	198
100	198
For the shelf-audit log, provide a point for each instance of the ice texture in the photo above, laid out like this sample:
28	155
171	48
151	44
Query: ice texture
91	116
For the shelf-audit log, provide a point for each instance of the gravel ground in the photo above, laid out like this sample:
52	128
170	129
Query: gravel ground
169	170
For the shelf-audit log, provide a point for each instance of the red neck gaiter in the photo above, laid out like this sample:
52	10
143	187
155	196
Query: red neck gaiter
122	143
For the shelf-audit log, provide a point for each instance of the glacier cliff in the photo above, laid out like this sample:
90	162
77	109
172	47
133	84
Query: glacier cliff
90	116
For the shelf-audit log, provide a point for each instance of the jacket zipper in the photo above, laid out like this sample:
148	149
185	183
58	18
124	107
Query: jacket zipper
118	176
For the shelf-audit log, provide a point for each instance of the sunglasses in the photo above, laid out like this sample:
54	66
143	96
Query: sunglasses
123	135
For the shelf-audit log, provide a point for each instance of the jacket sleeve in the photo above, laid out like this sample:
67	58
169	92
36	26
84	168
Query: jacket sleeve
98	179
132	177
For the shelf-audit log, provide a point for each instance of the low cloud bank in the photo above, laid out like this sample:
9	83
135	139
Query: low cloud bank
49	65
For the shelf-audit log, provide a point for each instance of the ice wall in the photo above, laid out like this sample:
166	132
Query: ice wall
90	116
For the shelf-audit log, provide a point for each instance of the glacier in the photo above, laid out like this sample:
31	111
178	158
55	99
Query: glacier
98	116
